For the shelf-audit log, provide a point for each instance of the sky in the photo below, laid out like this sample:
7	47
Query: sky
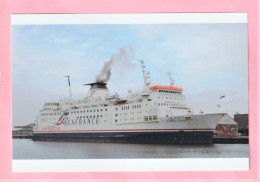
206	60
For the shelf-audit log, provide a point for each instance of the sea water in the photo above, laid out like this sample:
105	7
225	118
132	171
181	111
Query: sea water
29	149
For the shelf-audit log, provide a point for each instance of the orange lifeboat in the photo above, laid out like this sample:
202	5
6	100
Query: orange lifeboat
165	87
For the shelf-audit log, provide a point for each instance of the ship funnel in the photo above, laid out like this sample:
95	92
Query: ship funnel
98	90
69	86
97	85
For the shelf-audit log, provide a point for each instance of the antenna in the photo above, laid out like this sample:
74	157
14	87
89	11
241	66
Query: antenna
69	86
146	75
170	77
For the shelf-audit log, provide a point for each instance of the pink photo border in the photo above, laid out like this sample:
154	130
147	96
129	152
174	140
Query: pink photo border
8	7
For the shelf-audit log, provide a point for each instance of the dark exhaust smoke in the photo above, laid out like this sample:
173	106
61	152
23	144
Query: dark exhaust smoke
124	57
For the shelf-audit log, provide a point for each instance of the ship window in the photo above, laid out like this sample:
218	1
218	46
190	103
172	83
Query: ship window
101	116
115	114
105	109
116	108
97	110
100	109
90	111
97	116
94	110
93	116
80	111
116	120
83	116
80	116
90	116
84	111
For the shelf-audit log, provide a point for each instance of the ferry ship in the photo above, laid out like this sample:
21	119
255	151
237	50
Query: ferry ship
156	114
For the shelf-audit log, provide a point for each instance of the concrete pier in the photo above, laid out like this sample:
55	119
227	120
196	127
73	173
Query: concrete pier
230	140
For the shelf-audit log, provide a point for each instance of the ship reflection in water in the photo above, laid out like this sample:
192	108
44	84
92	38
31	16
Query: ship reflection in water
28	149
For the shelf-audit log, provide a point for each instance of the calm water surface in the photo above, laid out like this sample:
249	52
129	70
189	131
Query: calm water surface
28	149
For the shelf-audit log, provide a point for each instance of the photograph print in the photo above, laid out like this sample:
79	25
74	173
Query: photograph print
130	91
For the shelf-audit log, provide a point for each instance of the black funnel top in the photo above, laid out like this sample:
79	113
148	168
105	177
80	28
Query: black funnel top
97	85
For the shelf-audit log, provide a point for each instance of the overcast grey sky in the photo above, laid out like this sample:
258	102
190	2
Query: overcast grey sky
206	60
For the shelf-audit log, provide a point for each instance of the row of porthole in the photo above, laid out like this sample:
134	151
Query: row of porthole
167	104
167	91
129	119
84	111
170	98
88	116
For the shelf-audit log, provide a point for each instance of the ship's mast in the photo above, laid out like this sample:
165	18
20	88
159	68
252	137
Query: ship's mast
170	77
69	86
146	75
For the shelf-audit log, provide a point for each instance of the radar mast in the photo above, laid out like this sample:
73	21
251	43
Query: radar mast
69	86
146	75
170	77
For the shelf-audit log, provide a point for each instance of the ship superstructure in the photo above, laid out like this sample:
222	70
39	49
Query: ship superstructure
156	114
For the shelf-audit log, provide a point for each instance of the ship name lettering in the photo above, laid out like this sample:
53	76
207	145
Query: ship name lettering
89	121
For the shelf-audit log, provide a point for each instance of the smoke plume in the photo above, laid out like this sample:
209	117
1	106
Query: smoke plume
123	57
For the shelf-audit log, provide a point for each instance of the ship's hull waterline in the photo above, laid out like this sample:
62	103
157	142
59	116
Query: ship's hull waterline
165	137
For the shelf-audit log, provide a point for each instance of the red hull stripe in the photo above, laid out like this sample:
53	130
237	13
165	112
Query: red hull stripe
133	130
